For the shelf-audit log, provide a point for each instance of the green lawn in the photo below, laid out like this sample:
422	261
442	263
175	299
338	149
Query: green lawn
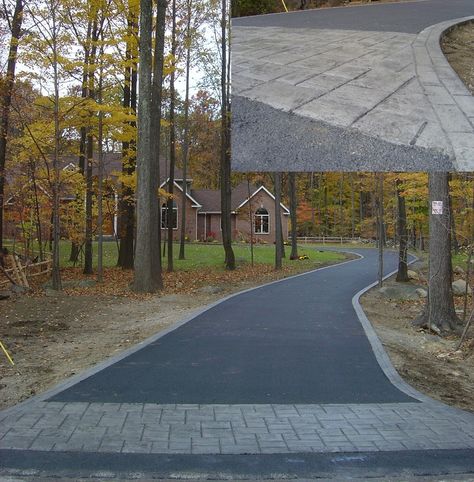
204	255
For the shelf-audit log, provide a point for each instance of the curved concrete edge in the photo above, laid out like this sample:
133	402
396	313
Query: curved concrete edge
42	397
452	102
384	360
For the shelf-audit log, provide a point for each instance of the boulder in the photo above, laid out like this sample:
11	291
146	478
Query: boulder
413	274
210	290
459	288
421	292
52	293
400	292
18	289
4	295
458	270
86	283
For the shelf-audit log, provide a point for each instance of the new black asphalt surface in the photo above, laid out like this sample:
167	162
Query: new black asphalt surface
339	466
407	17
296	341
268	139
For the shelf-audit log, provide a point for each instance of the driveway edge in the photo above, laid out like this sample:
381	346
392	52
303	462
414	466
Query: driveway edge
450	99
385	362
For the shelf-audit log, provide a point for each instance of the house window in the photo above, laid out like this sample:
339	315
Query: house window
261	221
165	218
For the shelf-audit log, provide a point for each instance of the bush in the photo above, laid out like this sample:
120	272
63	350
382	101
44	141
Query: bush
242	8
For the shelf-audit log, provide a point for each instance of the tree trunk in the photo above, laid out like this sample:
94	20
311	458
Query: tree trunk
352	205
402	274
75	249
7	100
186	132
126	208
454	239
100	135
225	167
380	225
171	202
293	208
88	268
56	228
251	220
147	261
278	241
439	313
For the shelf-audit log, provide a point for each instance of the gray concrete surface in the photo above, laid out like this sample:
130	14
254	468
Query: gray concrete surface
304	94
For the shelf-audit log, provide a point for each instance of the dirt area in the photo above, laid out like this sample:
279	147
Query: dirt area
458	46
52	336
425	360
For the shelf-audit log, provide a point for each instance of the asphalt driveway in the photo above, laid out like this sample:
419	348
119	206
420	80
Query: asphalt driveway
299	341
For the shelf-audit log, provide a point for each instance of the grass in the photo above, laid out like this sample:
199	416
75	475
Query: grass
200	256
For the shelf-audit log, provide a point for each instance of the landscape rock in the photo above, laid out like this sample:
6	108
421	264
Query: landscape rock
421	292
86	283
400	292
51	293
17	289
4	295
210	290
458	270
459	288
413	274
75	283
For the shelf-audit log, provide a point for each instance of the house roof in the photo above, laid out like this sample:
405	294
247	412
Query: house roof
210	200
189	195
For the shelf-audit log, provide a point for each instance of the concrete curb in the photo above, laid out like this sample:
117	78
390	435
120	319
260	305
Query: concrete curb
385	362
452	102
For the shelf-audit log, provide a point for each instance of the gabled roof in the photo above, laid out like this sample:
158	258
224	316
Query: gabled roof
210	200
196	204
263	188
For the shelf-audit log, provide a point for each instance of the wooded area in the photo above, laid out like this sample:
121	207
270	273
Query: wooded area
77	163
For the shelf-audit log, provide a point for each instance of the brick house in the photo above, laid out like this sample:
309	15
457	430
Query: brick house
203	207
203	213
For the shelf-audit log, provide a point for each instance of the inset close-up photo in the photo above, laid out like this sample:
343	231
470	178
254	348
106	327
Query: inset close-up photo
385	86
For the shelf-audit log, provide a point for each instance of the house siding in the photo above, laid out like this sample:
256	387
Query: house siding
261	200
190	229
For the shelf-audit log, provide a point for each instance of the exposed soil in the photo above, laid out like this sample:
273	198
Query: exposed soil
52	336
425	360
458	46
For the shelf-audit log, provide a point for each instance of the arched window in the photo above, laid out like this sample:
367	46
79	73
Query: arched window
261	221
165	217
